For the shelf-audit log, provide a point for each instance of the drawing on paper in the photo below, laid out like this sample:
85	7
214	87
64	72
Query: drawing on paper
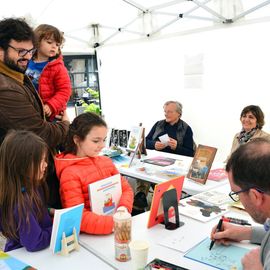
221	257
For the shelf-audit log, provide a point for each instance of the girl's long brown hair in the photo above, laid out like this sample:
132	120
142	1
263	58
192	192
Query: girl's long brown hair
21	154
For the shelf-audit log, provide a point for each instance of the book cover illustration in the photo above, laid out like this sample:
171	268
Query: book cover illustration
201	163
200	210
64	221
105	195
217	174
160	161
8	262
123	138
220	256
135	138
213	197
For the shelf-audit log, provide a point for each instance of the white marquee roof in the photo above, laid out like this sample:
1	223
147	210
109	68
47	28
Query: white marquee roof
90	23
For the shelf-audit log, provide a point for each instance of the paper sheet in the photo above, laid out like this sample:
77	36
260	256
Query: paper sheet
220	256
164	139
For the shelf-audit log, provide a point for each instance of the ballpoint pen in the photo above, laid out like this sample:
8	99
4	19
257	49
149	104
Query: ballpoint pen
219	226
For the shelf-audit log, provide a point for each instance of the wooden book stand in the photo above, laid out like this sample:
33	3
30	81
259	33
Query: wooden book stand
69	243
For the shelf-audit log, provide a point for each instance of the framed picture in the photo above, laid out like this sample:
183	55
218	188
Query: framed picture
201	163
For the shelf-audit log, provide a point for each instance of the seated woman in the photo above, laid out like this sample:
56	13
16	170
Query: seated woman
252	120
81	165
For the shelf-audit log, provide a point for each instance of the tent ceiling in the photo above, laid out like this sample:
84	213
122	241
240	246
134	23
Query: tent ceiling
88	23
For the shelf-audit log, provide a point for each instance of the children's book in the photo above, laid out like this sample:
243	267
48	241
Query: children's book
160	161
8	262
213	197
201	210
64	221
220	256
217	174
201	163
159	264
105	195
135	138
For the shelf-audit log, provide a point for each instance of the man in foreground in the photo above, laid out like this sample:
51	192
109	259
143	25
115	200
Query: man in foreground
249	176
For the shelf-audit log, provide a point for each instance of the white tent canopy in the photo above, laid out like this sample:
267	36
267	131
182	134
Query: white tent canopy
89	23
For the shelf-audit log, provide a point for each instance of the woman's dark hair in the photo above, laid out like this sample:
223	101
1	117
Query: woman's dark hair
16	29
21	154
80	127
257	112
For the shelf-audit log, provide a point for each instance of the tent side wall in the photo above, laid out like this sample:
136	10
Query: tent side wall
137	78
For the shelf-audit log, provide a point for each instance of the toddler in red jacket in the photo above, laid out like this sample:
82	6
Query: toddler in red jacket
81	165
48	72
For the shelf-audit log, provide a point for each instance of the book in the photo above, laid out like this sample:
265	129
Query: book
160	161
135	138
217	174
201	163
213	197
64	221
8	262
160	264
201	210
104	195
220	256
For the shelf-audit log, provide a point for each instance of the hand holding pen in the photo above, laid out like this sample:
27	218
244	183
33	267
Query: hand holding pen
218	229
230	233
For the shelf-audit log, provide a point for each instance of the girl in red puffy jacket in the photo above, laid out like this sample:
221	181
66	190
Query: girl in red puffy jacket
81	165
48	72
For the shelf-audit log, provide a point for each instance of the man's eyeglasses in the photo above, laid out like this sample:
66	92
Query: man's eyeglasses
235	195
23	52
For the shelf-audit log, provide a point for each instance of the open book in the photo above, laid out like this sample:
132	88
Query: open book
8	262
104	195
64	221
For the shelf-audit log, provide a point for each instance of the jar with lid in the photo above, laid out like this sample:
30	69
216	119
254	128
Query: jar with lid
122	235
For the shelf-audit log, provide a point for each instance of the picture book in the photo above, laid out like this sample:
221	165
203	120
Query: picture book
220	256
135	138
8	262
217	174
213	197
201	210
160	161
64	221
105	195
201	163
160	264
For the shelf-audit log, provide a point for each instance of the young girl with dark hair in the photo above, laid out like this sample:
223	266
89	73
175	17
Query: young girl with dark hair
81	165
24	218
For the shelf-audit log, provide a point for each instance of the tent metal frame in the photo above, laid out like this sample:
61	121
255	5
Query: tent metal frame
214	16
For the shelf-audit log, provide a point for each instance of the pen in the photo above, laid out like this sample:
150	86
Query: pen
219	226
236	221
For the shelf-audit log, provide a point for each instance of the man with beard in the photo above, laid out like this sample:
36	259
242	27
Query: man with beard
249	176
20	105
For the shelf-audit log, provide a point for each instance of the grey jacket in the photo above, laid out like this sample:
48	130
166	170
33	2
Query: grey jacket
260	236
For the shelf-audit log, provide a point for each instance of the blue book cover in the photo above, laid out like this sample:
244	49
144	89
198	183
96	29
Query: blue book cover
64	221
8	262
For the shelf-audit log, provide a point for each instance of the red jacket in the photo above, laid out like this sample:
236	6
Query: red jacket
54	86
75	174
